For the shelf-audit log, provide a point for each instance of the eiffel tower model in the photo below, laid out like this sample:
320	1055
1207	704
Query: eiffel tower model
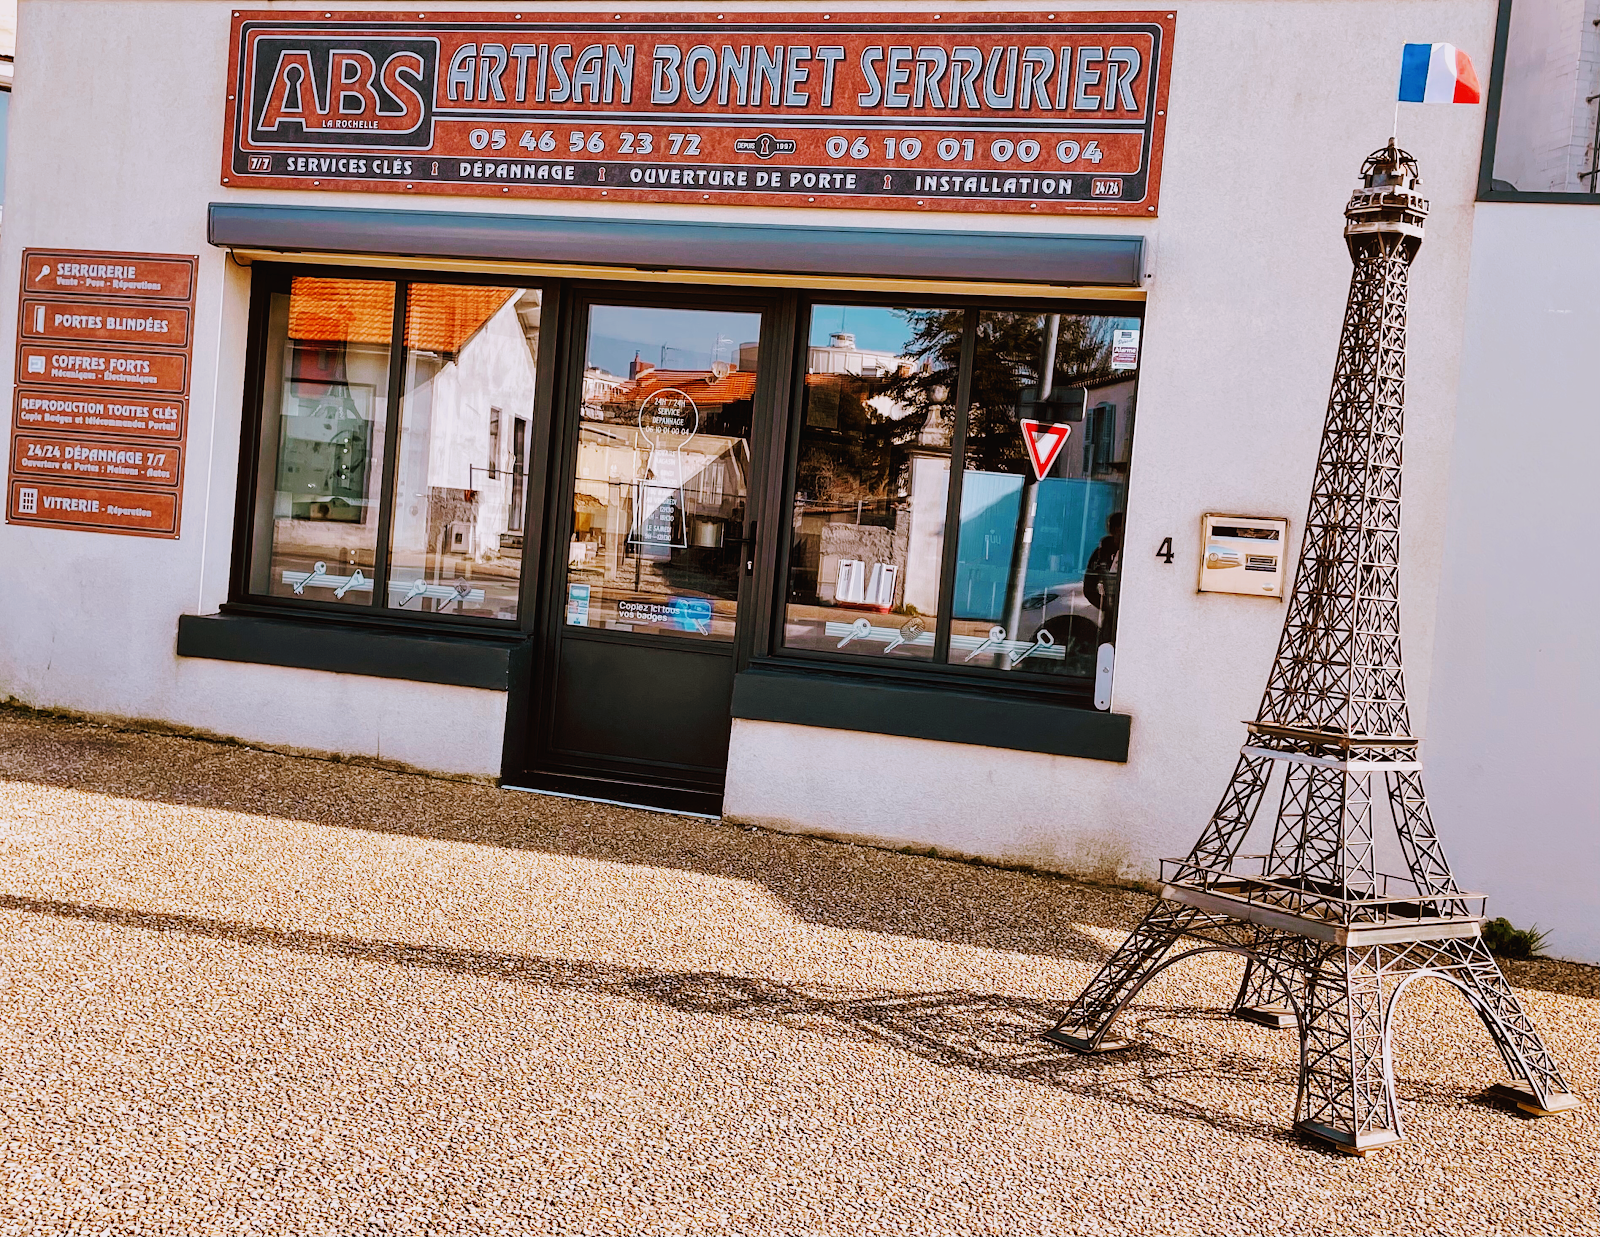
1331	942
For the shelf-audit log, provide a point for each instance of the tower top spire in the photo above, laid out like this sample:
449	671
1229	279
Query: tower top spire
1385	215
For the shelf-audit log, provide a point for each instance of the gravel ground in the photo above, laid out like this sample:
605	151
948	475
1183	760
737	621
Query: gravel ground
245	992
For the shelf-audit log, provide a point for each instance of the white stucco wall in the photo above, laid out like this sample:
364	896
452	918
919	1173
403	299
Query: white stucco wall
1250	277
1249	274
115	143
1514	727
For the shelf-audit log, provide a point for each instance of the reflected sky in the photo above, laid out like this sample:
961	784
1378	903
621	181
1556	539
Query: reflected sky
876	329
666	338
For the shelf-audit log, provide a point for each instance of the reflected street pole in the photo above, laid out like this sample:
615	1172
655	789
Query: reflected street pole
1022	544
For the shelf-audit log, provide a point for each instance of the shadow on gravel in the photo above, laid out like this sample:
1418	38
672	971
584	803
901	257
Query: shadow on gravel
988	1033
835	885
849	887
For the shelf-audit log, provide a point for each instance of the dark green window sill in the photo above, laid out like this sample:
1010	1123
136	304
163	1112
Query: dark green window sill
460	659
1032	722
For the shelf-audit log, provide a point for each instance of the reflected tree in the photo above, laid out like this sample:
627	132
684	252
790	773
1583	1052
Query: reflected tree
1009	356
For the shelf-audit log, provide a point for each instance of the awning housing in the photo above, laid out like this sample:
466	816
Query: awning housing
632	245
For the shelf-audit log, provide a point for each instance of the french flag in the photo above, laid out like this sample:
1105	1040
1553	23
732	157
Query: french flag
1437	73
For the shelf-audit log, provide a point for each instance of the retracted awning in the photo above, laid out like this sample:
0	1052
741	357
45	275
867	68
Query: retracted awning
628	247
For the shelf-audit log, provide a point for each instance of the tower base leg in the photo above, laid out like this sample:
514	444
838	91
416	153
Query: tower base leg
1278	1017
1521	1094
1362	1144
1111	1043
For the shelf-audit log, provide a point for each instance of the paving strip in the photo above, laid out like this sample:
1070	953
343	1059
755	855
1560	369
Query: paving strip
246	992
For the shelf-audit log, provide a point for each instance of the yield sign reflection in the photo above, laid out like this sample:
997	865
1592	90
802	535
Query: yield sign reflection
1044	443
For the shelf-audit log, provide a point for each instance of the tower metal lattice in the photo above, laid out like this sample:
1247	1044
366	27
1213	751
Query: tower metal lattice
1330	941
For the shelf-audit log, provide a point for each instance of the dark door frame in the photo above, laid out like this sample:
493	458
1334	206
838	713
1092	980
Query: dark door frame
528	759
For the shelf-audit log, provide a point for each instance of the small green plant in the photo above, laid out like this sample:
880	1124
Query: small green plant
1509	942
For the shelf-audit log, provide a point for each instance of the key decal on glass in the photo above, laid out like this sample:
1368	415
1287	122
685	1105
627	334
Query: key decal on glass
908	632
314	576
859	630
996	639
355	581
1044	640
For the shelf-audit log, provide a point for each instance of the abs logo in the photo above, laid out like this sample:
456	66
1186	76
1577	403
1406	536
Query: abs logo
354	92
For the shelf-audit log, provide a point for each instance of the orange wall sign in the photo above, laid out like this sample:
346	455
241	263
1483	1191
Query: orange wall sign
95	459
99	414
123	276
1029	113
106	321
93	507
159	420
90	367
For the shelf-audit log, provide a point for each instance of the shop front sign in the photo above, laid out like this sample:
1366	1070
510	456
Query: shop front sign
89	458
158	420
1028	113
100	409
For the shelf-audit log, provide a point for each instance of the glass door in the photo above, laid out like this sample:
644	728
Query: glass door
661	482
658	534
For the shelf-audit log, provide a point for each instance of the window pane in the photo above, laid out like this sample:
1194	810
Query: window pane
661	487
324	405
1545	142
1038	561
456	540
873	479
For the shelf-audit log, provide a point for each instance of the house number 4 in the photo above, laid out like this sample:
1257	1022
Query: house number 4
1165	552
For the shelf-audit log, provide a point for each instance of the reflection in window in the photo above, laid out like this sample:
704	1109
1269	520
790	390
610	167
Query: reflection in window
1546	138
323	415
1049	431
471	356
872	481
662	480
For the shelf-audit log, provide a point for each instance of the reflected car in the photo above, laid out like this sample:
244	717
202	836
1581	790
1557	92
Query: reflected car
1063	611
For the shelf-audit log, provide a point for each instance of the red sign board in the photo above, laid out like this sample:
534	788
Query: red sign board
120	276
1044	443
98	416
88	367
95	460
159	420
94	507
1029	113
164	326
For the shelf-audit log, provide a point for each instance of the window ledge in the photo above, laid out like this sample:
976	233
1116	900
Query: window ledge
455	658
946	713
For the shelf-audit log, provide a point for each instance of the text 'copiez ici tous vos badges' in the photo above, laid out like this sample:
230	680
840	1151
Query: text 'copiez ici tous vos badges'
1028	113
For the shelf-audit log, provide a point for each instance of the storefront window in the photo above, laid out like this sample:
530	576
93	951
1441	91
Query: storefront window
433	527
325	407
1041	419
1039	556
471	360
1547	136
872	482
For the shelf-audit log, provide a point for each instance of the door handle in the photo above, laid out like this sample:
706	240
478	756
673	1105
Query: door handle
749	546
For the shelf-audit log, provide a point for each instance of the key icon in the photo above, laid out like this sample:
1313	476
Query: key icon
1044	640
909	630
858	629
356	578
314	576
997	636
